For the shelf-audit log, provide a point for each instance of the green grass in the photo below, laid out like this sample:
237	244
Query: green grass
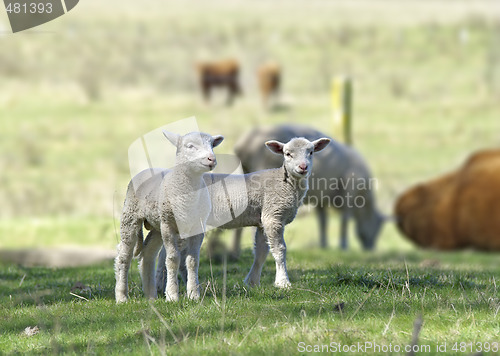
382	293
75	97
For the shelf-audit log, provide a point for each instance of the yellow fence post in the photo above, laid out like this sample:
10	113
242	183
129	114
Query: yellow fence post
342	109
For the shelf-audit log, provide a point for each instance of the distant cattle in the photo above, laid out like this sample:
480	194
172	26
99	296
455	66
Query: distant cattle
458	210
269	78
224	74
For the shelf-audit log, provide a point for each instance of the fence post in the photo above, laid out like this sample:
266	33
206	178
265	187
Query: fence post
342	109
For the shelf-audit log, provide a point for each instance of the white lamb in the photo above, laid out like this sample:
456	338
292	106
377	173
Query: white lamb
174	204
273	197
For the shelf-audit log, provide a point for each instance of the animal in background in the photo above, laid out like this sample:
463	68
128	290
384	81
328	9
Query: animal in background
340	178
458	210
223	74
269	78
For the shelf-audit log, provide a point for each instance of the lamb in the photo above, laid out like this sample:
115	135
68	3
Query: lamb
340	178
174	205
271	199
223	73
460	209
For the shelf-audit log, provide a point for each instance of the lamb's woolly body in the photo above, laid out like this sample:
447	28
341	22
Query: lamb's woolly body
272	191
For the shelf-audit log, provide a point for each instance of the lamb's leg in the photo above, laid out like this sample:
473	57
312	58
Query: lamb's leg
275	238
152	244
182	266
192	264
322	226
344	223
261	249
130	231
235	253
161	272
170	241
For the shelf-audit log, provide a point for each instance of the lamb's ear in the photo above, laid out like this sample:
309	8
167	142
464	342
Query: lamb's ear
172	137
320	143
275	146
217	140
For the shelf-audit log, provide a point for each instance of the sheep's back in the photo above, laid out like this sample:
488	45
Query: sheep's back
458	210
478	201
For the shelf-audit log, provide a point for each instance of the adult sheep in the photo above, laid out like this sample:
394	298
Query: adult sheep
222	73
340	178
458	210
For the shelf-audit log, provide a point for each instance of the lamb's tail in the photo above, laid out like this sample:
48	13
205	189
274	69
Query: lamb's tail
140	243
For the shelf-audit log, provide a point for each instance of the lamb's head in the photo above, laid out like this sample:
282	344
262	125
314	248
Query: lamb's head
298	154
195	150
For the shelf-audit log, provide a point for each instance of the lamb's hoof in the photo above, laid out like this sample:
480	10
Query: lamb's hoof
193	293
171	297
284	284
251	282
121	298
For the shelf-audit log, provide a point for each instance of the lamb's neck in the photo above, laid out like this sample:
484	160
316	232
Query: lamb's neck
300	184
186	176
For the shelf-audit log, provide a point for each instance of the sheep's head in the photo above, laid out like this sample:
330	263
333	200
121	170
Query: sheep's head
368	226
298	154
195	149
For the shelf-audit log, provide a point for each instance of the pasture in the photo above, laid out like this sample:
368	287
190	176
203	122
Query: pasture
73	98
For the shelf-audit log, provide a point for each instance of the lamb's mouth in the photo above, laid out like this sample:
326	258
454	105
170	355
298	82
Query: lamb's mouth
210	166
301	173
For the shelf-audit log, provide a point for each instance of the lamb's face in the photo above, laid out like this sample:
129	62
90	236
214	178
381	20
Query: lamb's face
298	154
195	149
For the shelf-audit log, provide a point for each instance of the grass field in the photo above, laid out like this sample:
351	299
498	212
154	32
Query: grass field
383	295
75	96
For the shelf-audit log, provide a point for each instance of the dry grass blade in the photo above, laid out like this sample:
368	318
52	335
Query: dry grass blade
78	296
417	326
248	333
224	282
388	323
164	322
148	338
363	303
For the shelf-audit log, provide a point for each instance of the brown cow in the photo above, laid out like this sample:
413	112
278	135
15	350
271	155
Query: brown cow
224	73
269	77
458	210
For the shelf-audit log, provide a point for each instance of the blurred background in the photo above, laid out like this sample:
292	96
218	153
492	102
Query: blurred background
77	91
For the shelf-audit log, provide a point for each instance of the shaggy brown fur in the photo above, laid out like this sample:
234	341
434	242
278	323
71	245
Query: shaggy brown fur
224	73
269	76
458	210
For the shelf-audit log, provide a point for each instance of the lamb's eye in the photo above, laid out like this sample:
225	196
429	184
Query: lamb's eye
310	153
190	145
288	154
